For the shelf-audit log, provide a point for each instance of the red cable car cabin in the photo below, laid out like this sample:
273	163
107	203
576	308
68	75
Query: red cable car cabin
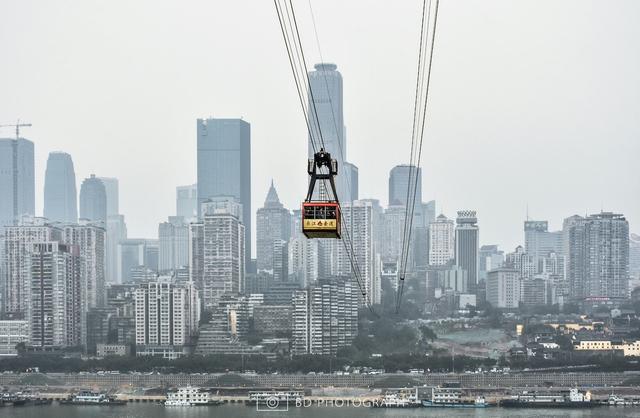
321	219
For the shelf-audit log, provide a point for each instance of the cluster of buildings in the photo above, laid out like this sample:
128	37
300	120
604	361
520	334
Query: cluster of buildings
75	279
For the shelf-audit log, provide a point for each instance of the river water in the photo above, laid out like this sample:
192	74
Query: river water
242	411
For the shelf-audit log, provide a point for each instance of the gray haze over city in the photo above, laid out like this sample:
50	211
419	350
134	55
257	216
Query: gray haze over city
532	102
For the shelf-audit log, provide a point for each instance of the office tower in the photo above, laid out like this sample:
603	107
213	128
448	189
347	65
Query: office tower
351	182
325	317
18	242
174	244
17	180
325	99
442	241
273	224
111	189
55	296
93	200
187	202
490	258
326	102
217	250
60	195
403	179
136	255
167	316
599	256
358	220
116	232
224	167
90	240
503	288
468	245
539	242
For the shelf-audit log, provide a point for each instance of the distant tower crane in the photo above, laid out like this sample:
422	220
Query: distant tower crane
14	150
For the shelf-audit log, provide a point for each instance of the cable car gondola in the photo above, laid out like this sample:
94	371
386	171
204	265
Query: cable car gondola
321	218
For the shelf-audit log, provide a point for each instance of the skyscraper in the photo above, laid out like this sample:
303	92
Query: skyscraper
403	178
325	84
93	200
18	243
273	224
325	317
599	256
468	245
55	296
224	166
17	180
111	189
187	202
358	219
326	102
217	250
116	232
442	241
60	195
167	316
89	239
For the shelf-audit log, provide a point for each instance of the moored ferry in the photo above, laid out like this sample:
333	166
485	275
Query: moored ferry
87	397
450	396
561	399
190	396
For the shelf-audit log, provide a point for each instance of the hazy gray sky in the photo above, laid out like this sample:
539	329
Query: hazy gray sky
532	102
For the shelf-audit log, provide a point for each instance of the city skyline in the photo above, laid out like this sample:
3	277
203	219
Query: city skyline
529	113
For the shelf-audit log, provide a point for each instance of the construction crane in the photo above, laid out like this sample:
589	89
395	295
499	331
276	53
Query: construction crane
17	125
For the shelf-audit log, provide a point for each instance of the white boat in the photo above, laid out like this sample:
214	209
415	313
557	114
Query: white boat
190	396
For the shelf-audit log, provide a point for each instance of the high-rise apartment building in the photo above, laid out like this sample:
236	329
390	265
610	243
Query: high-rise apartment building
17	180
174	244
273	225
441	241
60	195
167	316
217	250
224	166
325	317
89	239
55	295
187	202
93	200
18	242
599	256
303	260
358	220
468	245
